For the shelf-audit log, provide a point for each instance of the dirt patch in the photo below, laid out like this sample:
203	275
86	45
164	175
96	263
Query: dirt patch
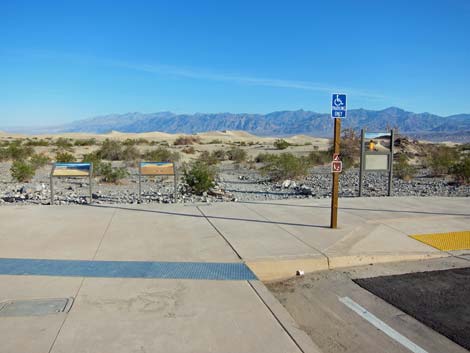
439	299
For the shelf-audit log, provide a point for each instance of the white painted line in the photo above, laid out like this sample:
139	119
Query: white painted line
382	326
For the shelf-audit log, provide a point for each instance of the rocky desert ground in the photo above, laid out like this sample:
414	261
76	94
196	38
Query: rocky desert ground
237	179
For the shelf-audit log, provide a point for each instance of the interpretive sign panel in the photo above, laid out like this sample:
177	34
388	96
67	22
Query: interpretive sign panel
63	170
156	169
377	162
376	155
71	169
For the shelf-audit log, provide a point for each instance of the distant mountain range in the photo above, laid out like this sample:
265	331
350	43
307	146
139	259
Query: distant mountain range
282	123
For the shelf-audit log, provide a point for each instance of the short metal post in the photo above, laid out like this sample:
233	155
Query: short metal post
175	181
52	187
361	166
390	167
90	178
140	182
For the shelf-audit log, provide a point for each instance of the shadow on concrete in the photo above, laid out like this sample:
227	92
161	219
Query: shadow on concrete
359	209
209	217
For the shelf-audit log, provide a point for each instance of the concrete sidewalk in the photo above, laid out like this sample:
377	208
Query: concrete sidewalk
184	315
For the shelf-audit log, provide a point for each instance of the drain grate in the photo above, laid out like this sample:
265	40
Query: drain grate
36	307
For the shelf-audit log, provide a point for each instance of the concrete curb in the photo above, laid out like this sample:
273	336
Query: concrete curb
273	270
276	270
368	259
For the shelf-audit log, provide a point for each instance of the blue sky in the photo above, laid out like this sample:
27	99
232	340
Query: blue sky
67	60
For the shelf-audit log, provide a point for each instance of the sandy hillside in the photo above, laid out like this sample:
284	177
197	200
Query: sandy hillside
206	137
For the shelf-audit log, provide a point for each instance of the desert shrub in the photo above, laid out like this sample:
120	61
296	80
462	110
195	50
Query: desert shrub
187	140
161	154
441	159
36	143
16	151
461	170
199	177
39	160
85	142
264	157
133	142
319	157
4	155
95	159
350	147
64	144
237	155
130	153
110	150
286	166
113	150
219	154
402	169
22	171
207	158
215	142
189	150
64	157
281	144
91	158
112	174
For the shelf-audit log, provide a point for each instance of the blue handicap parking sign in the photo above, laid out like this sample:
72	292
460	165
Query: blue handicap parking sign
338	105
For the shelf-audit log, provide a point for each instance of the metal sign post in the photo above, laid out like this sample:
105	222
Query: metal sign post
361	167
390	172
338	111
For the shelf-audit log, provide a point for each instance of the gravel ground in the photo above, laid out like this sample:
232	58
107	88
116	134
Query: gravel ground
234	184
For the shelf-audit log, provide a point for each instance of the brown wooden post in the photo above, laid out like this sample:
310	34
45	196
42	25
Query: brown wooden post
335	188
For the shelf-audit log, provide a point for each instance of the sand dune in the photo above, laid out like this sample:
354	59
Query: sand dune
225	136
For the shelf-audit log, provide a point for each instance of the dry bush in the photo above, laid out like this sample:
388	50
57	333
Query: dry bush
200	177
187	140
441	159
161	154
237	155
189	150
22	171
286	166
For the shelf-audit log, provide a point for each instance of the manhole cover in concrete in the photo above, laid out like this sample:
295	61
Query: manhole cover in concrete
36	307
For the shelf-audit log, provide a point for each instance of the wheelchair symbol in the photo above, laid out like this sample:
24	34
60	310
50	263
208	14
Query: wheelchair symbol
338	102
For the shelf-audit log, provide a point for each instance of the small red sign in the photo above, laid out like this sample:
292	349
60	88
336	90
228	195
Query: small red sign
336	157
336	166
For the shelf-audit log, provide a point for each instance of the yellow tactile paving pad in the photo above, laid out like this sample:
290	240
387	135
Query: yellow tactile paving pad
446	241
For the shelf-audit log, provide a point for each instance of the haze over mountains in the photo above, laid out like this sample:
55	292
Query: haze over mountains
281	123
